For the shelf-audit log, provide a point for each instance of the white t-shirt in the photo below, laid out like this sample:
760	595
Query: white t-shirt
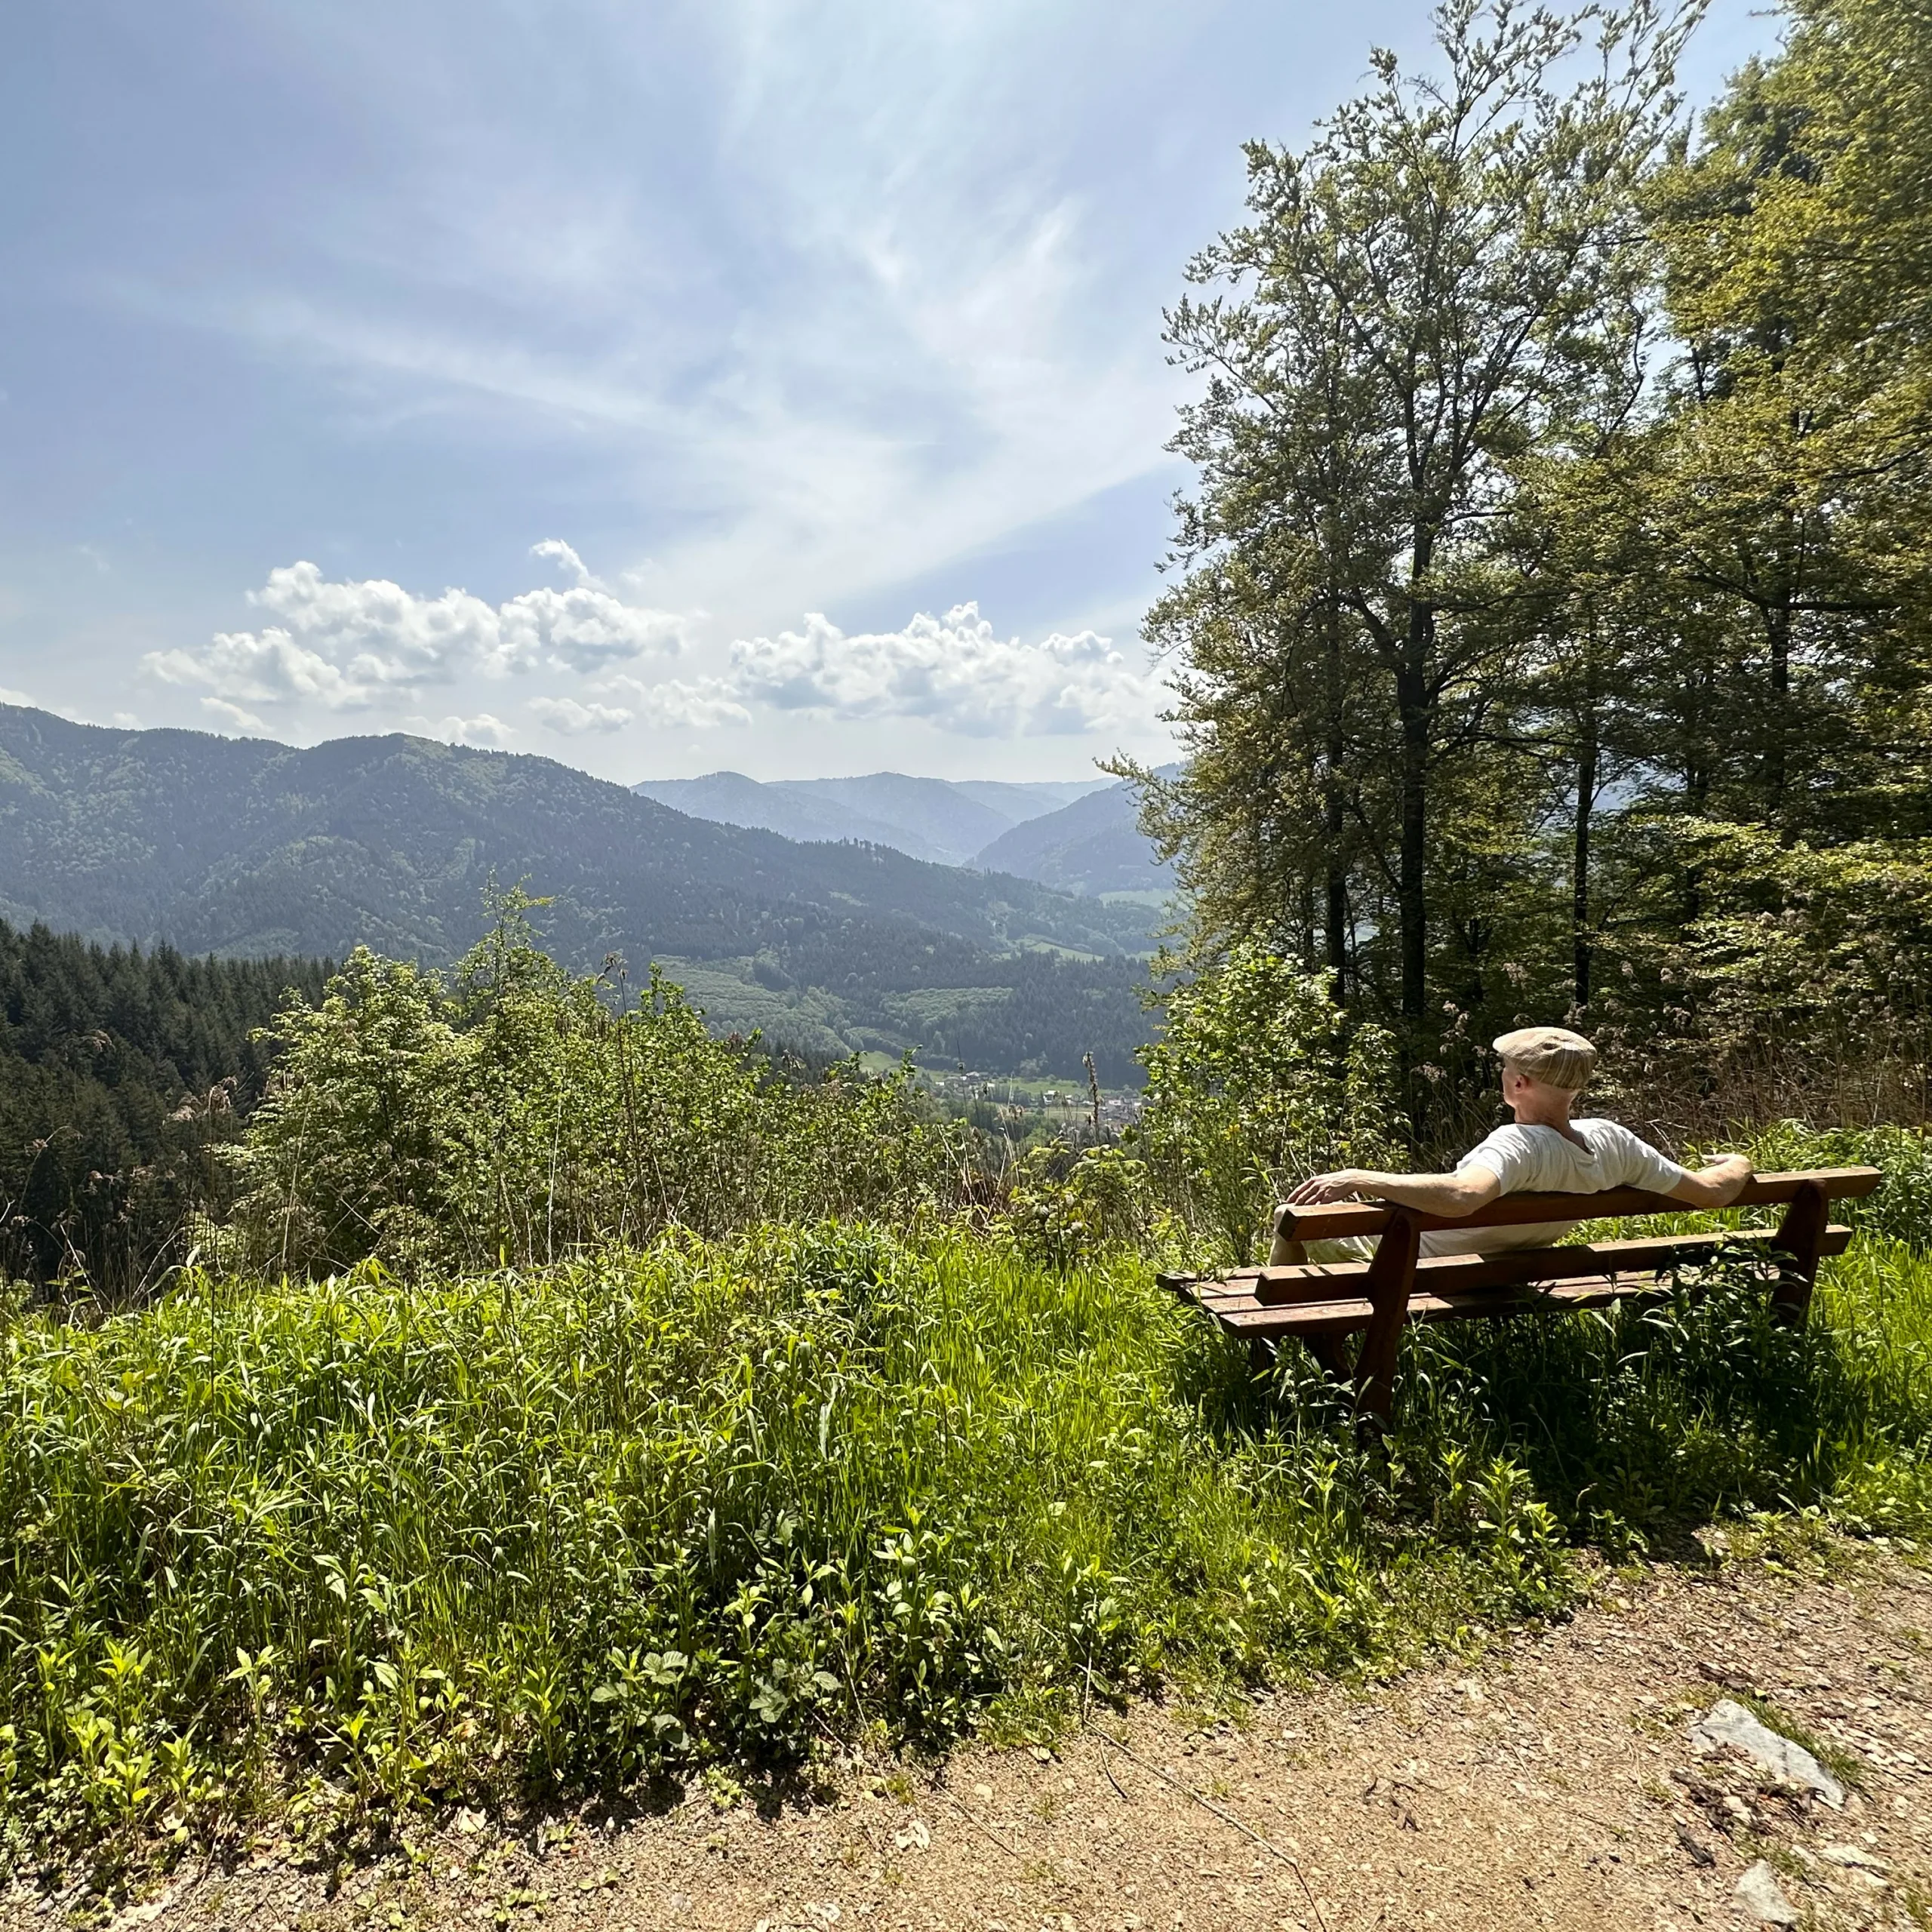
1538	1160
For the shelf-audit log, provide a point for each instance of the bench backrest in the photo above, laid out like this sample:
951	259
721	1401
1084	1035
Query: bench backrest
1353	1217
1388	1280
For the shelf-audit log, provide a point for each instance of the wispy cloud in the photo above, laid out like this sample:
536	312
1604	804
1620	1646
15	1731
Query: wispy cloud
701	704
483	729
571	719
235	716
844	317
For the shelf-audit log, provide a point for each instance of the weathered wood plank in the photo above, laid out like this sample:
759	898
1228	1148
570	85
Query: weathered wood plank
1446	1289
1344	1316
1316	1280
1346	1218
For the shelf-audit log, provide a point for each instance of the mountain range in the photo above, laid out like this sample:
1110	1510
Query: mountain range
1081	835
248	849
948	821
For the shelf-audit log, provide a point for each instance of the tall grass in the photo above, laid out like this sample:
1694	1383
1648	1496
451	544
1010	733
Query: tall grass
371	1540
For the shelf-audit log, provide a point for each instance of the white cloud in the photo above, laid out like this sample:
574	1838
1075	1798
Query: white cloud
483	729
952	671
555	548
232	715
9	696
345	645
565	714
701	704
358	644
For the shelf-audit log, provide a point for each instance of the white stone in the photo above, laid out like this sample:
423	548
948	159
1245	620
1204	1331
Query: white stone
1761	1894
1730	1723
1850	1854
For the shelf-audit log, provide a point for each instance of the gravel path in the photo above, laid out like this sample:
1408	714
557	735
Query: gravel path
1552	1784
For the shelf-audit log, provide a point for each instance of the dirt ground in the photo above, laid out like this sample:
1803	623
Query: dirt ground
1554	1783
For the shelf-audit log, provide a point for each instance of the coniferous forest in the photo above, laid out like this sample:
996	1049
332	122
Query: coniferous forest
120	1071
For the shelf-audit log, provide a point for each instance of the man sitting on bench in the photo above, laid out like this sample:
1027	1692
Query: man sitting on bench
1544	1151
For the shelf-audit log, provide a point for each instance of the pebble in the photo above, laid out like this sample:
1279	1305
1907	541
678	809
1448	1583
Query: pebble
1760	1893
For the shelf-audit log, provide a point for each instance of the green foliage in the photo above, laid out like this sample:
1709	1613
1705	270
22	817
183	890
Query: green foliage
1554	637
1636	1422
1900	1211
1255	1082
519	1118
375	1541
1443	282
1801	981
626	1516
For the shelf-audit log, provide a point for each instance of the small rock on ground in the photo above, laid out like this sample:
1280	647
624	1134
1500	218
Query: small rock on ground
1731	1723
1761	1896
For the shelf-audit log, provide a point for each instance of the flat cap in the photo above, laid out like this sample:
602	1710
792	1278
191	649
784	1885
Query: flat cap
1553	1054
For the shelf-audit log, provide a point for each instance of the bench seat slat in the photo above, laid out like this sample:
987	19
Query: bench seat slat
1248	1303
1319	1281
1344	1316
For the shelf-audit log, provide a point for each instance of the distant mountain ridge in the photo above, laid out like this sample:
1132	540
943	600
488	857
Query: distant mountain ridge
245	847
1093	845
946	821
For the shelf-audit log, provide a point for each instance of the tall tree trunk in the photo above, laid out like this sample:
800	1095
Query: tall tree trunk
1580	869
1336	919
1411	889
1777	624
1335	912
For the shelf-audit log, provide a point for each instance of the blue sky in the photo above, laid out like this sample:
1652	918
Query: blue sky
658	387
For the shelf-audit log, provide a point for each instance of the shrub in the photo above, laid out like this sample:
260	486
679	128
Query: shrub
382	1538
1255	1081
518	1118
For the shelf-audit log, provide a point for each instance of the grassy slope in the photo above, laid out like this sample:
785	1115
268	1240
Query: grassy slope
701	1502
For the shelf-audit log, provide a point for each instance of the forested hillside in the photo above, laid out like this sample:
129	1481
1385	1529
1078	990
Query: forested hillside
118	1069
250	848
1094	845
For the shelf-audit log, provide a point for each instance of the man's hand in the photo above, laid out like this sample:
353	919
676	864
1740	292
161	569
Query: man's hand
1717	1184
1344	1184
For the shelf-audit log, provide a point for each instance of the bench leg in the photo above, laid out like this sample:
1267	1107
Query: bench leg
1330	1353
1801	1234
1392	1276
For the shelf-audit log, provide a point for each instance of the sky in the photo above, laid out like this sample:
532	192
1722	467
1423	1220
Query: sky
660	387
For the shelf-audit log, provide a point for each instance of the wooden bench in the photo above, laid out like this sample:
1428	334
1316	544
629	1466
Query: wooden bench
1322	1304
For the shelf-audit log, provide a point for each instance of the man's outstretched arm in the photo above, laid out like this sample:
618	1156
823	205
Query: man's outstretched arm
1716	1185
1462	1192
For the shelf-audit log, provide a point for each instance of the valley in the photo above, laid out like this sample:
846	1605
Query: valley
245	848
